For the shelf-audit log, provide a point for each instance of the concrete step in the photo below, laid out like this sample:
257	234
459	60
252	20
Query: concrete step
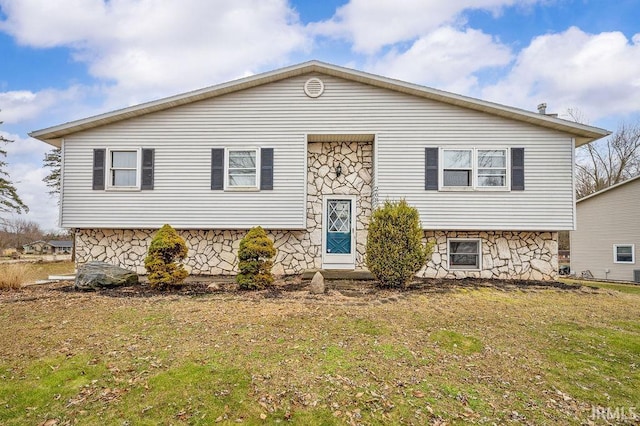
338	274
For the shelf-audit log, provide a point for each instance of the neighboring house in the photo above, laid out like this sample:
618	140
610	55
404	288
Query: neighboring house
307	152
48	247
36	247
61	247
606	241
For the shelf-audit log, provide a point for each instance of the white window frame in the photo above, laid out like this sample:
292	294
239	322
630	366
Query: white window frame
455	240
471	168
227	157
108	170
474	170
633	253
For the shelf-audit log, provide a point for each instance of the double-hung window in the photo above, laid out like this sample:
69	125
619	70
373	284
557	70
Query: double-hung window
123	169
623	253
492	168
242	168
464	254
474	168
457	167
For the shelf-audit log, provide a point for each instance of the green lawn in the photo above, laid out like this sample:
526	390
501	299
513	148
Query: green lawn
625	288
539	356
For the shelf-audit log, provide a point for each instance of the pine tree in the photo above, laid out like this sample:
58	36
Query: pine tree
10	202
52	160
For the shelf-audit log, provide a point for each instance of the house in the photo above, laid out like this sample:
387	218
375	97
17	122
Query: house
36	247
307	152
606	241
48	247
61	246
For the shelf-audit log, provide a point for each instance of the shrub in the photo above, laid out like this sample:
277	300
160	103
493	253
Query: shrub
13	276
166	249
254	255
395	251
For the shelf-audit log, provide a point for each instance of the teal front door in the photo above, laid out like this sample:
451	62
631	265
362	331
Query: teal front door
338	233
339	226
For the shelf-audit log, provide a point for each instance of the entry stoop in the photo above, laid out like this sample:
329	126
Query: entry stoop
337	274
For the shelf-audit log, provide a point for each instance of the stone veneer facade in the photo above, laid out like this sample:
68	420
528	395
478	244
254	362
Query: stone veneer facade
213	252
525	255
505	255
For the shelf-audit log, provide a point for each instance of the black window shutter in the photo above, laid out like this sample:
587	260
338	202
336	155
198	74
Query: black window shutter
217	168
517	169
147	168
266	168
98	168
431	169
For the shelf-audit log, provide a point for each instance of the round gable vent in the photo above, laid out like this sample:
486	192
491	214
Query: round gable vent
314	87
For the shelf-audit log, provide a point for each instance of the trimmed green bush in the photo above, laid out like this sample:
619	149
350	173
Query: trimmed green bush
254	256
166	249
395	251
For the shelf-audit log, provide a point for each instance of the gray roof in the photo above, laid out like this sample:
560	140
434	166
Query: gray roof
61	243
581	132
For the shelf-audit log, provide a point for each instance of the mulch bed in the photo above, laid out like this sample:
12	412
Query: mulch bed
294	287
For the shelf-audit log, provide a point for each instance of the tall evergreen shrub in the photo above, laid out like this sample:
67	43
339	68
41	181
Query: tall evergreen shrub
254	255
166	250
395	251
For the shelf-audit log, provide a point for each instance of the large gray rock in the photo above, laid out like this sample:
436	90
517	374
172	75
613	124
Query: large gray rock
317	284
96	275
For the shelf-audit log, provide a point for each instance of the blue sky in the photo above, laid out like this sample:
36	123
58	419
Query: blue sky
68	59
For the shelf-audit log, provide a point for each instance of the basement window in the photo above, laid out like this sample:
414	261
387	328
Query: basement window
464	254
623	253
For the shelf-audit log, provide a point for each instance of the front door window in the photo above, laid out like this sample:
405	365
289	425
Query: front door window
339	226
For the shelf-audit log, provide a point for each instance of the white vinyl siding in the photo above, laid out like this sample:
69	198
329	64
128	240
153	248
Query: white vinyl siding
280	115
605	221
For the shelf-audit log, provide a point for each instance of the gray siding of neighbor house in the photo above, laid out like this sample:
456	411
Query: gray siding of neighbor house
612	217
279	115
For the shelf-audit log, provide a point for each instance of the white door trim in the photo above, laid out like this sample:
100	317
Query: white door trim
339	261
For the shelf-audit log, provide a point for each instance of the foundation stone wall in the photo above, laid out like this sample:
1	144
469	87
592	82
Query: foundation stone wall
505	255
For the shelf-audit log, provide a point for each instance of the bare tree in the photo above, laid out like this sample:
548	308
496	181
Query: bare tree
609	161
16	232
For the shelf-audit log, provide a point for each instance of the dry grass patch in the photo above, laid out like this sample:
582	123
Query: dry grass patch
33	271
13	276
540	356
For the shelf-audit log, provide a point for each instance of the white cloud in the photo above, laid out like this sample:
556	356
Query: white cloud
152	48
599	74
43	209
24	166
23	105
373	24
23	146
446	59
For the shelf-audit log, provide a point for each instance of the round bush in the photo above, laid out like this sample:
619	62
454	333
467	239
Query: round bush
254	255
166	249
395	251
